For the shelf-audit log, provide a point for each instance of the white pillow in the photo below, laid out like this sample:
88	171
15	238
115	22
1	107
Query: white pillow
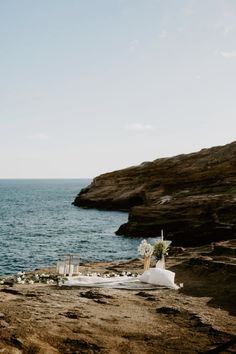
159	276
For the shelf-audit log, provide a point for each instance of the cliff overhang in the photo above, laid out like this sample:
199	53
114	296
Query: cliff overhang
192	197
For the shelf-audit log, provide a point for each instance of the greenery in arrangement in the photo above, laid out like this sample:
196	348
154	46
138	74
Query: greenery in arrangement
160	249
55	279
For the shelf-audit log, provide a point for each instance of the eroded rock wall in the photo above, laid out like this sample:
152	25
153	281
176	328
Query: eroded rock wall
192	197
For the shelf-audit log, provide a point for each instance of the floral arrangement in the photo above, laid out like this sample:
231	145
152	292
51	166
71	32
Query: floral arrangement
160	249
54	279
145	249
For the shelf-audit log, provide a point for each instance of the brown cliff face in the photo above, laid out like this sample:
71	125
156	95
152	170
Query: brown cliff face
191	197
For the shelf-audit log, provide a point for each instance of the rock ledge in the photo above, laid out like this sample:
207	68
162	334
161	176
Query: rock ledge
191	196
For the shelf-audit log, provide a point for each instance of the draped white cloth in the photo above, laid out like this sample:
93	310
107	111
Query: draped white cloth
159	276
151	278
84	280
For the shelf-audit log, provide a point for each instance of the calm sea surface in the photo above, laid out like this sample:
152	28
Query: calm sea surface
38	224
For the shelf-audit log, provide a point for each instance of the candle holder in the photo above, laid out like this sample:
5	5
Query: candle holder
146	263
68	264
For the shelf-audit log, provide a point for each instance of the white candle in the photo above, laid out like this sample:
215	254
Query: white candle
71	269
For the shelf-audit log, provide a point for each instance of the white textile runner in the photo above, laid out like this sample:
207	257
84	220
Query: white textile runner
148	280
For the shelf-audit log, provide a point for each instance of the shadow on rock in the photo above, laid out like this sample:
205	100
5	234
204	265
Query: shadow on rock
205	278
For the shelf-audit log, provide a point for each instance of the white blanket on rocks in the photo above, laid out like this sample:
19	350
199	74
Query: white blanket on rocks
151	279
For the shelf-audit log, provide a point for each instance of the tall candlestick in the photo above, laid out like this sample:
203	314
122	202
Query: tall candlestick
162	235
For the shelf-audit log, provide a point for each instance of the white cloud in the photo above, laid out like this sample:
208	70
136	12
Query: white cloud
163	34
225	29
190	8
188	11
38	136
133	45
228	29
229	55
139	127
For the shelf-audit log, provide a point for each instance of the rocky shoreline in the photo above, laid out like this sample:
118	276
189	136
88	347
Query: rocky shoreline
191	196
198	318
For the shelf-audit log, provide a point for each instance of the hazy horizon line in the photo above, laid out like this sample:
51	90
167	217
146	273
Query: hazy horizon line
43	178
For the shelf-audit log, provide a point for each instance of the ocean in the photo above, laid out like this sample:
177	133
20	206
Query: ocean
38	224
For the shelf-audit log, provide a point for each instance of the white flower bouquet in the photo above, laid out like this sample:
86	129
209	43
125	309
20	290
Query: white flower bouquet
145	249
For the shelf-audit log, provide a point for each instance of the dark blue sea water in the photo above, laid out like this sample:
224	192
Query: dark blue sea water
38	224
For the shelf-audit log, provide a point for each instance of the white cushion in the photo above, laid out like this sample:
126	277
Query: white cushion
159	276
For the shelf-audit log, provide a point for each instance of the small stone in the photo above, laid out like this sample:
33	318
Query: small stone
4	324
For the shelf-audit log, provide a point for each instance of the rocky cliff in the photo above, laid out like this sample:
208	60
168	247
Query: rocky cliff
192	197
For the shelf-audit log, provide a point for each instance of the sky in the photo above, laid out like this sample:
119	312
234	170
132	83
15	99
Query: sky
92	86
